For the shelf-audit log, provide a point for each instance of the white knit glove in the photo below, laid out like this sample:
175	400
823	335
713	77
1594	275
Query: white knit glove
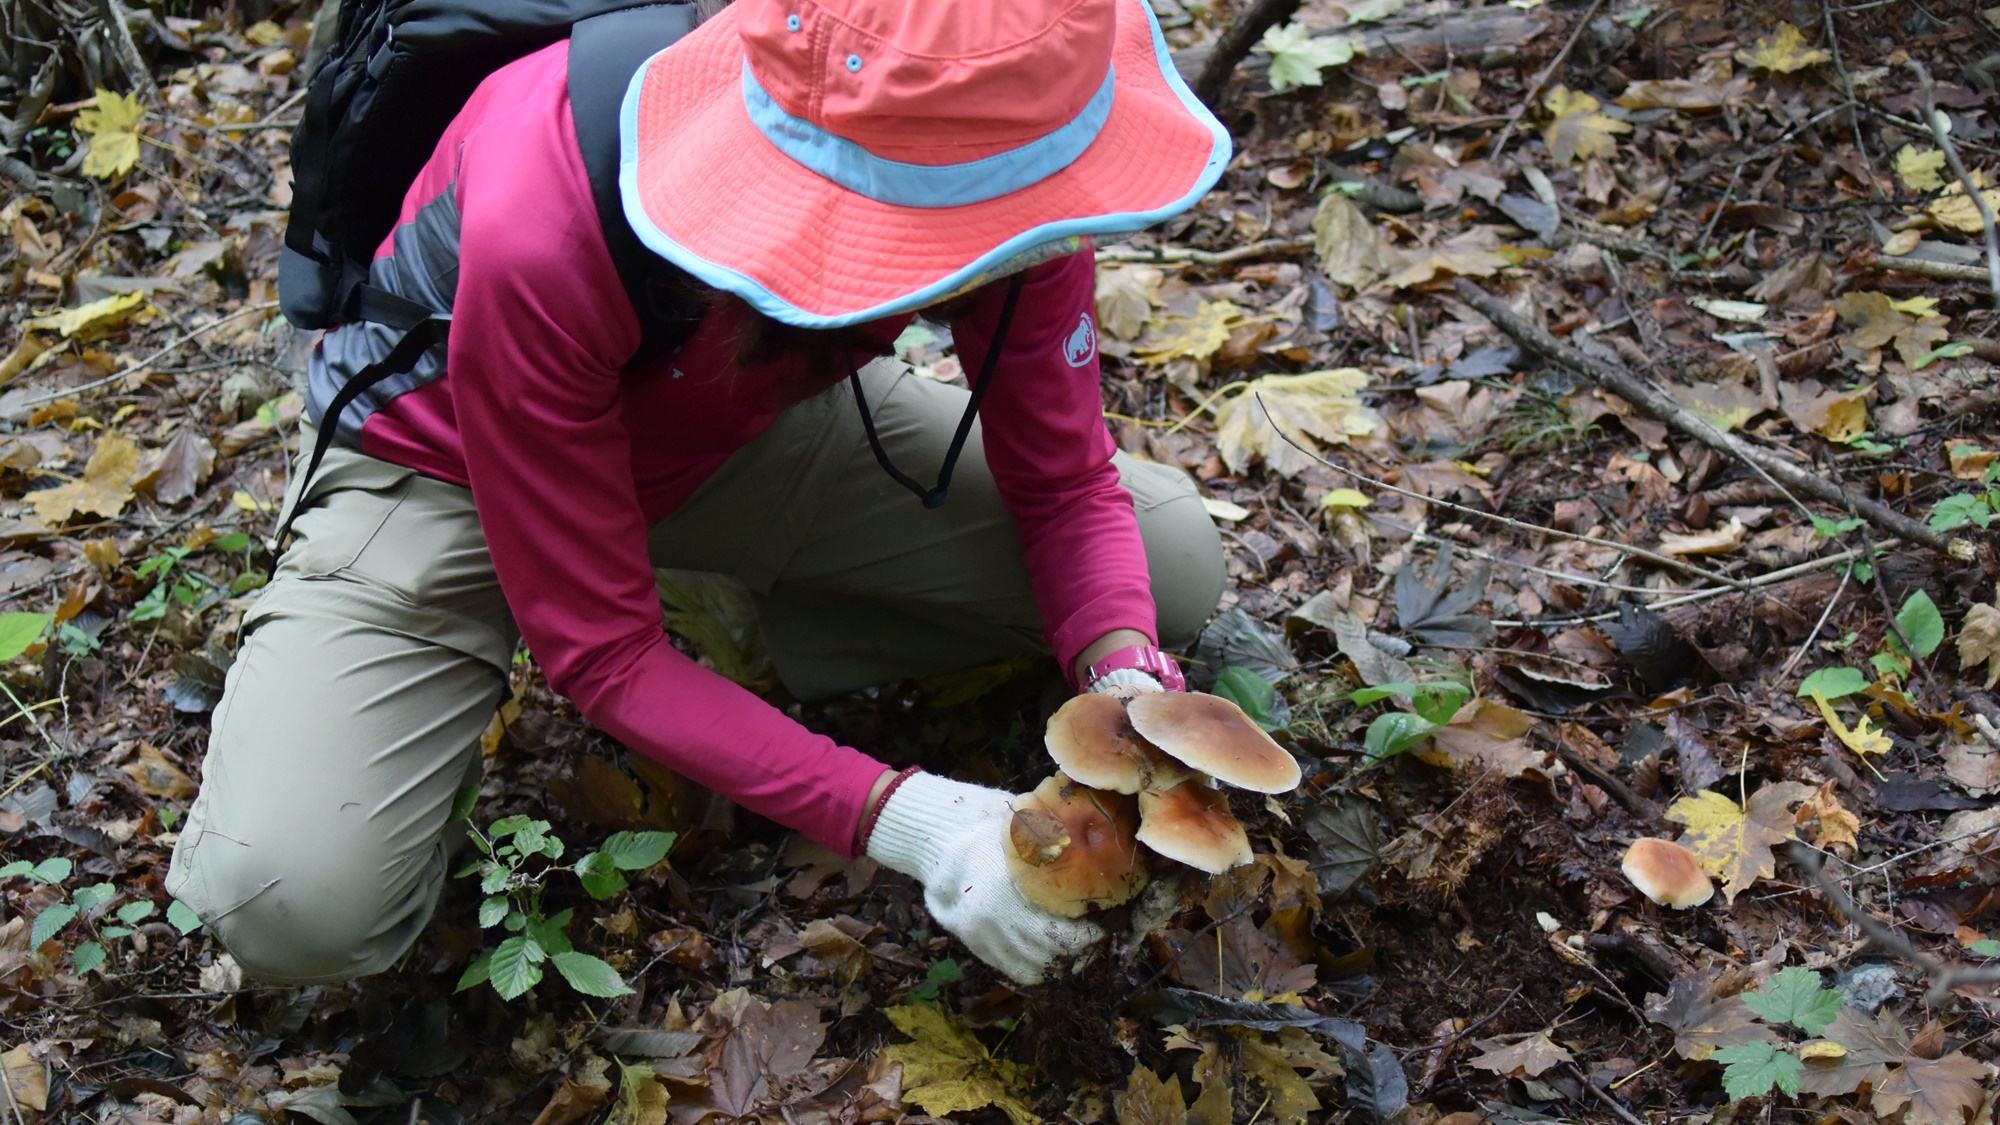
948	836
1126	683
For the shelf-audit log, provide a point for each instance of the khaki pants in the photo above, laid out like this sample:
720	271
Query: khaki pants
316	848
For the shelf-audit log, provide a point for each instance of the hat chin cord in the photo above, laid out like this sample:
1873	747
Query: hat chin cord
935	496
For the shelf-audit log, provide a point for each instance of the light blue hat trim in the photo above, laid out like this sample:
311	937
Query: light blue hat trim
990	263
924	185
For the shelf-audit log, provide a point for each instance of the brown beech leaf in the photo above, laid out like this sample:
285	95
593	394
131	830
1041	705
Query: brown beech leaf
1734	842
1146	1100
1868	1044
178	469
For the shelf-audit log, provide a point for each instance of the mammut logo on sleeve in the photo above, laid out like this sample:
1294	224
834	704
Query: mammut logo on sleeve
1081	347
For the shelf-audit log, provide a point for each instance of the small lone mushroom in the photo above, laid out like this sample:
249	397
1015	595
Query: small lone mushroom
1664	872
1092	740
1191	822
1073	849
1213	735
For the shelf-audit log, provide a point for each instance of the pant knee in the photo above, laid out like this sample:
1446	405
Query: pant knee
303	926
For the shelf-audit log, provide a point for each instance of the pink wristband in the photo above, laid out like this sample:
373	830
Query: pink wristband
1144	658
875	810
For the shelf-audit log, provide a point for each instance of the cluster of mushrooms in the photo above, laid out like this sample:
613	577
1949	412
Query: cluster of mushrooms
1137	771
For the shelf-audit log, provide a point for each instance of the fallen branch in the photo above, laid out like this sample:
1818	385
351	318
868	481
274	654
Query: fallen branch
1235	42
1181	255
1944	977
1924	267
1660	406
1942	135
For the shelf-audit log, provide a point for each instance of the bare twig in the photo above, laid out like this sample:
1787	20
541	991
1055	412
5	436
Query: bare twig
1614	1104
1541	80
1806	646
1774	578
1627	548
1944	977
1176	255
1661	406
1922	267
140	365
1235	42
1939	126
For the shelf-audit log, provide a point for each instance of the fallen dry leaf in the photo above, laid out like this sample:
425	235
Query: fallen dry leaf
104	489
1125	299
27	1078
157	777
1579	131
1955	209
1838	416
89	321
1920	171
1942	1091
1784	51
112	124
946	1070
1876	321
176	470
1733	842
1527	1058
1351	251
1484	735
1979	639
1832	823
1703	1021
1718	541
1194	337
1973	765
1318	406
1475	253
1863	738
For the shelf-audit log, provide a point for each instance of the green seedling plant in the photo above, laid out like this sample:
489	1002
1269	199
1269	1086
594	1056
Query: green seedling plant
1432	704
1252	692
1918	620
83	903
518	855
1791	998
1974	508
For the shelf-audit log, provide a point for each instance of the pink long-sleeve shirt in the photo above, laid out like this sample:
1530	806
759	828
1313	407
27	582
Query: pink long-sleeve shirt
570	455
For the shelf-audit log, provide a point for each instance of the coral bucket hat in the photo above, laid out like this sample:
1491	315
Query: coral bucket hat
836	161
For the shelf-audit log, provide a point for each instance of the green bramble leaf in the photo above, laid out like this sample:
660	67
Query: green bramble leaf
1920	621
516	966
476	973
1393	733
548	932
493	878
18	867
182	917
1250	691
599	876
1834	529
1833	683
1794	996
93	896
1985	947
49	923
1751	1070
50	871
88	957
590	975
133	913
19	630
1297	55
1954	512
636	851
491	911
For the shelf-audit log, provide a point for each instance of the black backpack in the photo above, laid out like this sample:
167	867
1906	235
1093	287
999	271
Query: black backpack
376	108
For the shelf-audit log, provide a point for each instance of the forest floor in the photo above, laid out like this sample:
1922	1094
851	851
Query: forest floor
1699	551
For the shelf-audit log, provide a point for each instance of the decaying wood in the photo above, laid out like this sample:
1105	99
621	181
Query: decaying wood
1658	404
1456	34
1924	267
1179	255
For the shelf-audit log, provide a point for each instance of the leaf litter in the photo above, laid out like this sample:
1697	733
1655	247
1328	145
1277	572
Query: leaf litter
1685	192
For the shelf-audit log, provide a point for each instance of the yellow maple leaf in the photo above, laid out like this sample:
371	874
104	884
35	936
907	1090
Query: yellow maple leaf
1957	210
1193	337
112	124
1578	130
1923	308
1734	843
1920	171
89	321
104	489
946	1070
1784	51
1863	739
1318	406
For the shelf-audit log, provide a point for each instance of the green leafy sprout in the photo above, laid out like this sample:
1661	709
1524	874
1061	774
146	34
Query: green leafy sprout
1432	704
84	903
518	855
1792	997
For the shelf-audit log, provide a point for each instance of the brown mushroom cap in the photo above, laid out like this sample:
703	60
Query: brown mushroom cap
1092	740
1073	849
1667	873
1214	736
1191	822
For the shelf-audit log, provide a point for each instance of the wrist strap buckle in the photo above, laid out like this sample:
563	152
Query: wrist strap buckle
1144	658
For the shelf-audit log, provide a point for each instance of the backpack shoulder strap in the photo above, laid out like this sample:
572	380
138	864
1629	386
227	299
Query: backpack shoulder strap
604	53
